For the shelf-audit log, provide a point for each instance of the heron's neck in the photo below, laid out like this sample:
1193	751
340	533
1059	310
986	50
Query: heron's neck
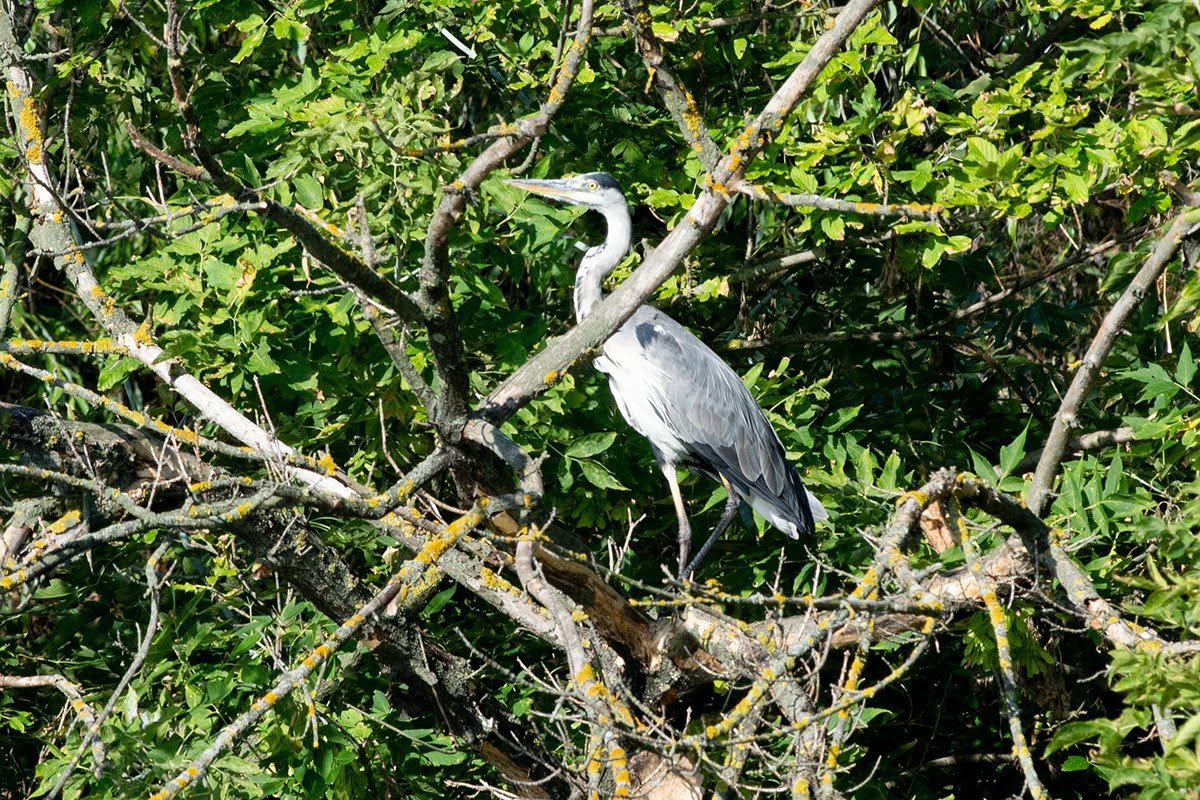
600	260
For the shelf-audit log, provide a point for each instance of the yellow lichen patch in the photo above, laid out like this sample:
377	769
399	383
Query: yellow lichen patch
184	435
327	463
28	125
550	377
716	186
921	498
61	524
142	334
869	579
585	674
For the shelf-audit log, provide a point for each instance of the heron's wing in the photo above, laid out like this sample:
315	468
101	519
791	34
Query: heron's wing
688	402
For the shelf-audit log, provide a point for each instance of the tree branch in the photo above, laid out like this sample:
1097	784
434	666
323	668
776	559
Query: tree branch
675	96
1081	444
1067	417
434	297
933	213
52	233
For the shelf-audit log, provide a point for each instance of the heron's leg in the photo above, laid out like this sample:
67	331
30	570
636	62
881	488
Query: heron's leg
685	527
732	504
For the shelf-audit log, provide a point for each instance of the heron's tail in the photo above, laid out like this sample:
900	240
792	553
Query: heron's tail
818	510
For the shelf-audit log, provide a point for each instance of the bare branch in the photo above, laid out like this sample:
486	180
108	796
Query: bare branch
933	213
1082	444
675	96
1004	658
52	233
163	157
1067	417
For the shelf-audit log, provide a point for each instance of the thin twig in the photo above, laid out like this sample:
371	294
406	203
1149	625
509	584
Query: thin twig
92	735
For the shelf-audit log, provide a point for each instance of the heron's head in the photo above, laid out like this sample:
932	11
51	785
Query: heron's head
596	190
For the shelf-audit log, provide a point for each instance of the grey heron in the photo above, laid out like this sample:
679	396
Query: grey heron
678	393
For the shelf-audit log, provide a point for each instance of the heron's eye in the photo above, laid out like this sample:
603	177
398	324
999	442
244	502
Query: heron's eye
592	186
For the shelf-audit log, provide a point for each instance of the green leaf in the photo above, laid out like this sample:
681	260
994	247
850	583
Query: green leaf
1076	732
843	417
591	445
255	29
598	475
260	361
439	600
115	371
308	191
834	228
981	151
1076	764
1076	187
1185	735
444	758
983	468
1185	370
1012	453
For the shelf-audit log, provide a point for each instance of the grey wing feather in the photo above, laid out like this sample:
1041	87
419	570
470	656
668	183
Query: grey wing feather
695	409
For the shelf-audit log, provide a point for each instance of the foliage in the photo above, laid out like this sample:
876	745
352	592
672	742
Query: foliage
894	352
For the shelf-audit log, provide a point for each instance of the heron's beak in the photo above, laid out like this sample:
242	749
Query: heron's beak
555	189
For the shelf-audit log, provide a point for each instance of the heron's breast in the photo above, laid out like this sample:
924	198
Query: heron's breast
641	406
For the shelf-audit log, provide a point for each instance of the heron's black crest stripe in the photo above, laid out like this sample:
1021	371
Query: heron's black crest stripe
604	179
